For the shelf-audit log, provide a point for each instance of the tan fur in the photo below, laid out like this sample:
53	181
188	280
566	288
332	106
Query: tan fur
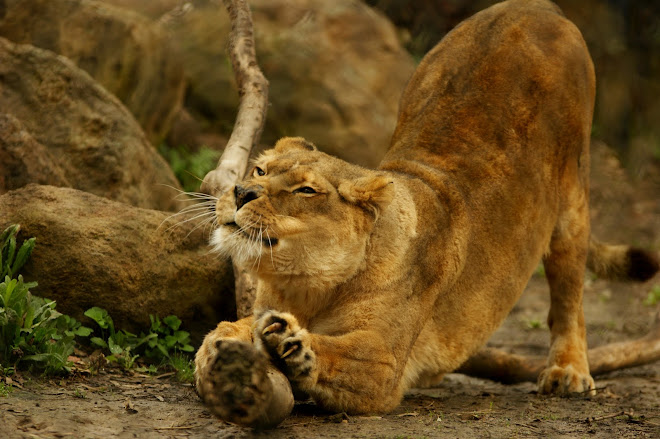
385	279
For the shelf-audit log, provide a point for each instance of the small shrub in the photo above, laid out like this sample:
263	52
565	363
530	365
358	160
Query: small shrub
119	343
163	339
184	367
168	338
5	389
190	167
31	330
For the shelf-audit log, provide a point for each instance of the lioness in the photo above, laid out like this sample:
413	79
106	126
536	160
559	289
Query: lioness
374	281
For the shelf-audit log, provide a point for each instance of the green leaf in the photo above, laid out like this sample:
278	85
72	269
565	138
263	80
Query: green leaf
29	318
170	341
101	317
11	230
11	250
99	342
187	348
115	348
10	285
163	351
155	323
173	322
82	331
23	255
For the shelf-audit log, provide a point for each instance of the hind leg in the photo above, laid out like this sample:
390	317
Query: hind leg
567	368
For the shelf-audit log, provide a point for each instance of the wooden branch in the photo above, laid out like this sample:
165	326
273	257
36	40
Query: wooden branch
245	287
253	92
498	365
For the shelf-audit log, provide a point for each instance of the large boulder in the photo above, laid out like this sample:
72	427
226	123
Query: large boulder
93	142
133	262
336	71
23	159
127	53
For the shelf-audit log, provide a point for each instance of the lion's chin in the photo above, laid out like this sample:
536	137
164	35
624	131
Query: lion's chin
241	246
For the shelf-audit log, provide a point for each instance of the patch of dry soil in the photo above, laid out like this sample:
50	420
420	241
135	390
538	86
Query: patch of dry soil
627	405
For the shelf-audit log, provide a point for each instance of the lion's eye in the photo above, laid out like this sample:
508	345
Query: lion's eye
258	171
304	190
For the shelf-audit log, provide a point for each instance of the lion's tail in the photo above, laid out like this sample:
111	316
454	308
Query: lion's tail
621	262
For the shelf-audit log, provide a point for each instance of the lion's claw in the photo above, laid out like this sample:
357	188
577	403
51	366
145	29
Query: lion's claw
292	348
275	327
281	337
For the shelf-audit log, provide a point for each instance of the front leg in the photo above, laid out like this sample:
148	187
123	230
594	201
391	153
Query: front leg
356	372
237	382
280	336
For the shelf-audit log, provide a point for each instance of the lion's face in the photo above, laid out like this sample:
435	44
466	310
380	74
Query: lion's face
301	212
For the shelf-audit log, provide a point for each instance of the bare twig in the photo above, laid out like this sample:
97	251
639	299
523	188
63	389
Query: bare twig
591	419
253	92
181	427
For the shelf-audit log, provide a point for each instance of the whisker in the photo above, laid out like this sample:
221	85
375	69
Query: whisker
195	206
244	228
201	223
182	195
199	196
197	216
270	245
196	201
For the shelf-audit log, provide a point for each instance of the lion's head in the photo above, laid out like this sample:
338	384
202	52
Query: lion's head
301	212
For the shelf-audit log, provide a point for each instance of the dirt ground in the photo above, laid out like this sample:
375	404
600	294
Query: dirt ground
627	405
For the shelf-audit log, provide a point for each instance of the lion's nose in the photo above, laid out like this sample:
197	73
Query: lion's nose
245	195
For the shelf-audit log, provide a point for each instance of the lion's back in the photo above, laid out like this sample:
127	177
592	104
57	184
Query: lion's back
499	95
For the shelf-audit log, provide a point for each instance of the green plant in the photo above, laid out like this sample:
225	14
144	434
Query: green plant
10	261
190	167
120	343
653	297
152	369
184	367
5	389
31	330
534	323
163	339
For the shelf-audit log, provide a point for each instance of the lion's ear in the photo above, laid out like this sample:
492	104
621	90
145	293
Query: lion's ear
373	193
293	143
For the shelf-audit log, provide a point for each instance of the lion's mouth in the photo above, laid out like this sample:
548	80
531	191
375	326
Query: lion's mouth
267	241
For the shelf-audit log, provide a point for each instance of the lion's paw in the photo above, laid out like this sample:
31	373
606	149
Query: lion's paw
280	336
234	384
566	380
